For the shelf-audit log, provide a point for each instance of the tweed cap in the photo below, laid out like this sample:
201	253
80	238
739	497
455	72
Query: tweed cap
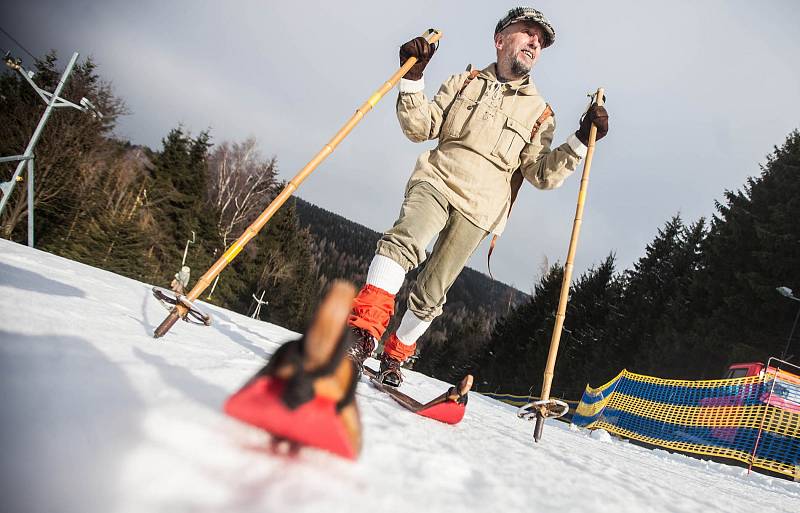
528	13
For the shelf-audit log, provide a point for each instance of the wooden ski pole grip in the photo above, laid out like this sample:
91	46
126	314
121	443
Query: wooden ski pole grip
432	35
599	100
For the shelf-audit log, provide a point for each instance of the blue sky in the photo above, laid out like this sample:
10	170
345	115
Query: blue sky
698	93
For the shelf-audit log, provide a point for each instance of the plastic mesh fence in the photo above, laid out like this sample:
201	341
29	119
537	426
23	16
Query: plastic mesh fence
720	418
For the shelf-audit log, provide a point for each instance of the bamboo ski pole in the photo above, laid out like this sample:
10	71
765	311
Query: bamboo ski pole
562	302
180	311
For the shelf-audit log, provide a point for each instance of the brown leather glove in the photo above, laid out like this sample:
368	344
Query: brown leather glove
596	115
422	50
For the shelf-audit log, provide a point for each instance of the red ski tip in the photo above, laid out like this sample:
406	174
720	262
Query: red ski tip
315	423
449	412
453	404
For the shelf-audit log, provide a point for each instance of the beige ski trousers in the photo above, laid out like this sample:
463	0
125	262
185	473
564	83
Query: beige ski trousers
424	214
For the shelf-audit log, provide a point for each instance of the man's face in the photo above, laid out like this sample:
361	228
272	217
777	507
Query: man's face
519	45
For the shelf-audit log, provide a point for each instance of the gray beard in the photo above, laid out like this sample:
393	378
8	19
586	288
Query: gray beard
519	68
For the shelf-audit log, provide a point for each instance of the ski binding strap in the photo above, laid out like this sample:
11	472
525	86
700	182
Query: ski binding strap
169	300
550	408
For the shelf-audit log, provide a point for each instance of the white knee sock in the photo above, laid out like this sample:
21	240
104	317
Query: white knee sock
411	328
386	274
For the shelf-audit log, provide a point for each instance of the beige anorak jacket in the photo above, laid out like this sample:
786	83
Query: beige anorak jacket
484	136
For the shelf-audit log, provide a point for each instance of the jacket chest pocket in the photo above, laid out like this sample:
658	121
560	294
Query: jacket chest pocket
512	139
458	116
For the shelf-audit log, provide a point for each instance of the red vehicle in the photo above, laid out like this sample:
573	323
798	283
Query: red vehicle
741	370
784	393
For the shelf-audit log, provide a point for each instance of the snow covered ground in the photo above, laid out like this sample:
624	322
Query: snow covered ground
97	416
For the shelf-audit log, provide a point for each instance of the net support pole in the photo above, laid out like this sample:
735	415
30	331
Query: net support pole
764	417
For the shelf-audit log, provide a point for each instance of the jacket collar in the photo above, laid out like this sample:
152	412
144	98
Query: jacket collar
523	86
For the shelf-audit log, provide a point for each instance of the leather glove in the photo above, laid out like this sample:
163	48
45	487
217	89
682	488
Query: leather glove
422	50
596	115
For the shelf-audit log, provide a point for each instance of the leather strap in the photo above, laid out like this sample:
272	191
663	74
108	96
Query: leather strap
472	74
548	111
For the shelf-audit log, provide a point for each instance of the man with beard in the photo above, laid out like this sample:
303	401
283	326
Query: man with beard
493	129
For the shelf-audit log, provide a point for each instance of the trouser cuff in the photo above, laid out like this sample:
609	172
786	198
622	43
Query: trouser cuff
394	348
372	310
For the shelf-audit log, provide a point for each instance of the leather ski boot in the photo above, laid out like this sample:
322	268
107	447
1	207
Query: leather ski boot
390	373
363	346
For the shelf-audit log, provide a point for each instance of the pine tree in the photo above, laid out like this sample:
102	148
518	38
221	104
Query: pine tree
179	193
587	348
514	358
647	289
282	266
752	248
672	337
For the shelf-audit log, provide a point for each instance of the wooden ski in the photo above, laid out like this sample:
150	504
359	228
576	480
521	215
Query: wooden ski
448	407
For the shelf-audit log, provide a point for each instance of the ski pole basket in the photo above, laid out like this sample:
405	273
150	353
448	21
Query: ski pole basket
170	300
549	408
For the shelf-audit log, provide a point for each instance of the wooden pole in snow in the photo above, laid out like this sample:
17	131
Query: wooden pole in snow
562	302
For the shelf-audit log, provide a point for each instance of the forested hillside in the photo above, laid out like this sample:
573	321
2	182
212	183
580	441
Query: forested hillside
133	210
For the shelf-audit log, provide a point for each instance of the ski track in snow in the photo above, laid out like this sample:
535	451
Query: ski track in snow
98	417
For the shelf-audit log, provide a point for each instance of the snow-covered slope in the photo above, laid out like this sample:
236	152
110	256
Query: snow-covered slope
97	416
